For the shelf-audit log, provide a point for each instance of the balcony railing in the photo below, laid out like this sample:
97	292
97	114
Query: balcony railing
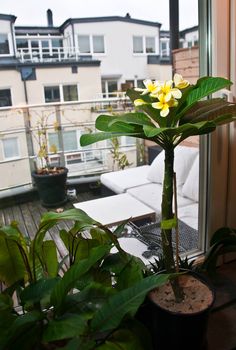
53	54
64	123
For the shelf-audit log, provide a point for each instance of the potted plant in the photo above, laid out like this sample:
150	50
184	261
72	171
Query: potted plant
50	180
85	301
168	113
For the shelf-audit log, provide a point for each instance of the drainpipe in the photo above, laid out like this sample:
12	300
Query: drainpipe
13	39
174	26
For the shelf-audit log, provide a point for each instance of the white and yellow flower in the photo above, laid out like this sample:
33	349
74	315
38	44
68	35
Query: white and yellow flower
150	87
139	102
180	82
164	104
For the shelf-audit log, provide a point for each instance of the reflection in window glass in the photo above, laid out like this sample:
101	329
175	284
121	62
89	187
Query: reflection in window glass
57	43
5	98
51	94
10	148
22	44
84	45
70	93
137	44
70	140
53	140
98	44
4	45
150	44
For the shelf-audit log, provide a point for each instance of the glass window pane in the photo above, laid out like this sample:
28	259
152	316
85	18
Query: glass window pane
70	140
112	85
51	94
84	45
150	44
70	93
34	43
4	45
57	43
137	44
22	44
98	44
5	98
45	43
10	148
53	140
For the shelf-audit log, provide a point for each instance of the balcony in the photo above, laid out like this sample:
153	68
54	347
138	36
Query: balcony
63	124
52	54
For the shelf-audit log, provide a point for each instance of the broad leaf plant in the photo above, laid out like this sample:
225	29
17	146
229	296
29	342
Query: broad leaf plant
168	112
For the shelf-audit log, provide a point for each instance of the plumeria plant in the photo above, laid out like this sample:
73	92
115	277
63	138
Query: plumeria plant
168	112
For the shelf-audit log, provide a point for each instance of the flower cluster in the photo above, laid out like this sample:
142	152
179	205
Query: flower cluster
166	92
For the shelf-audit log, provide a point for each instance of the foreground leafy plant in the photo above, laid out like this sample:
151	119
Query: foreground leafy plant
90	303
169	112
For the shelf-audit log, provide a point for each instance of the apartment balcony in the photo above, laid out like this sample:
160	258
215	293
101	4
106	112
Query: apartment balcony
53	54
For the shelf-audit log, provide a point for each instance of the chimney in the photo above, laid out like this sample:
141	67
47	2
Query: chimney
49	18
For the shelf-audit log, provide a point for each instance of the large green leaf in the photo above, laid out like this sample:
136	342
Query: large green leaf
12	265
131	274
74	273
35	292
125	302
88	139
104	122
67	327
204	87
49	256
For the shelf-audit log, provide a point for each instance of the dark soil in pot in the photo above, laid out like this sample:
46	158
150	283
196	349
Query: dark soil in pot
51	187
179	325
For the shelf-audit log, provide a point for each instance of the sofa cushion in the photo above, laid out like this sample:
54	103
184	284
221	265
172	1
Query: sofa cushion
191	186
151	195
120	181
184	158
189	215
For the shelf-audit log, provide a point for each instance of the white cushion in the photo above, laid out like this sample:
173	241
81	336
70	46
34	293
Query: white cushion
120	181
189	215
151	195
191	186
184	158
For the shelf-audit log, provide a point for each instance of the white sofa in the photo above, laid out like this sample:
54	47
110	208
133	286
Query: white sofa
145	183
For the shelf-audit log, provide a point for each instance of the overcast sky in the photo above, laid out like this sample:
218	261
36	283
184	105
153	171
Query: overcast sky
31	12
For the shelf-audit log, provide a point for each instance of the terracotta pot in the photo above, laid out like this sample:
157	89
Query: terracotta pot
51	188
175	330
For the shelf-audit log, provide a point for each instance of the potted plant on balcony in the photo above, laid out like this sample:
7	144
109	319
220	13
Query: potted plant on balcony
50	180
168	113
87	301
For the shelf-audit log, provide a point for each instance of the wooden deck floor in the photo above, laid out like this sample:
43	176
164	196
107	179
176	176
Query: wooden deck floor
28	217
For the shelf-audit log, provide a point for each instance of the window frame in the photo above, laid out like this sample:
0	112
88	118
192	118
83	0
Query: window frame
61	93
17	145
9	45
91	44
144	45
7	88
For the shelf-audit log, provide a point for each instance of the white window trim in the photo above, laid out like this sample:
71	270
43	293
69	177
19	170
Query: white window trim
61	92
18	148
91	48
9	38
144	53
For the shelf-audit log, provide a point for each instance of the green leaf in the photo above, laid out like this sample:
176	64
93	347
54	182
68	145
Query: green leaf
75	272
204	87
35	292
12	266
88	139
67	327
125	302
131	274
221	234
151	131
49	255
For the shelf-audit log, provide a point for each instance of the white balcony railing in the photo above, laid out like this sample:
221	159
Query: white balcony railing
53	54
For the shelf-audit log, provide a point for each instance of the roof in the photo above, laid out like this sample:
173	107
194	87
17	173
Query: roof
34	30
127	19
188	30
7	17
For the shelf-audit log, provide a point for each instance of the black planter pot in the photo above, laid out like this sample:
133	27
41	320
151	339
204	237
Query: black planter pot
177	331
51	188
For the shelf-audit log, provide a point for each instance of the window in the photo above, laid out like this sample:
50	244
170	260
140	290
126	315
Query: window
98	44
10	148
138	44
5	98
22	44
91	44
4	44
150	44
70	92
61	93
164	48
51	94
84	45
109	87
148	41
70	140
57	43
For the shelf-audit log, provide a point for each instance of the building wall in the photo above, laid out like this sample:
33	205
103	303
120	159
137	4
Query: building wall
119	58
186	63
160	72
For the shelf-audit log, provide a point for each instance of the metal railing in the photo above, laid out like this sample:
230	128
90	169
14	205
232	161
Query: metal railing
53	54
63	123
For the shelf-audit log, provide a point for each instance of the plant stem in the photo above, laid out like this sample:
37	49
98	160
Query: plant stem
167	214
